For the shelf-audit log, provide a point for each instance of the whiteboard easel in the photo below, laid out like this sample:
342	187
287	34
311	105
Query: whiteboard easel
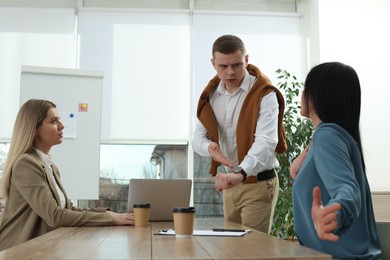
78	96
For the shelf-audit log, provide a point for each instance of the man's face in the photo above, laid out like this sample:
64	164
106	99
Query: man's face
230	68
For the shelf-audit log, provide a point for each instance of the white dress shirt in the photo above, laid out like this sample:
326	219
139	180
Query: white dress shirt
227	107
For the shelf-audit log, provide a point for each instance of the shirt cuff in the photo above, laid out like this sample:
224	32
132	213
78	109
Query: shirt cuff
205	147
247	169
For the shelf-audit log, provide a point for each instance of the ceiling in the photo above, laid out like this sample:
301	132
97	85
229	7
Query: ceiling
214	5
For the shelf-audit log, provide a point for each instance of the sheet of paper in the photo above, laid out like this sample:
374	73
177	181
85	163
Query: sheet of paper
171	232
70	124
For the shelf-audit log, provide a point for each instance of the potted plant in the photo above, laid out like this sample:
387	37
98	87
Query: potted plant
298	133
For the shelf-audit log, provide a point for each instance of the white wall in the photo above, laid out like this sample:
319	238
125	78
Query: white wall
356	32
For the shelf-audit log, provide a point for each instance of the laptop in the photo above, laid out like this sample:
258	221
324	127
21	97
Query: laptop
162	194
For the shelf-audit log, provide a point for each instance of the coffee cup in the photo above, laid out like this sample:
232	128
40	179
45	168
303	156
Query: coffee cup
141	214
183	220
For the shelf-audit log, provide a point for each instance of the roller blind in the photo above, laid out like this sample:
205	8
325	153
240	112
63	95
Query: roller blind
28	36
147	66
272	41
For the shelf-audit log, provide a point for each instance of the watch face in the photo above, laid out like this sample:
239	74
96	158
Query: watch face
237	170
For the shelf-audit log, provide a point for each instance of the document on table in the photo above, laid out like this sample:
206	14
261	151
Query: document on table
226	233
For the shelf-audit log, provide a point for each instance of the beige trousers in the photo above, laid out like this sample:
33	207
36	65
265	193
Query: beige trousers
253	204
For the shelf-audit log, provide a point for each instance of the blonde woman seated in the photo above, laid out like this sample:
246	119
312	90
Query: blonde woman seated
36	200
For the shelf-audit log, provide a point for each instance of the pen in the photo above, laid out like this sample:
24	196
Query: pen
166	230
227	230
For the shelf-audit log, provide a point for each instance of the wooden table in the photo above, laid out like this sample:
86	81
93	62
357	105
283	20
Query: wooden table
140	243
381	205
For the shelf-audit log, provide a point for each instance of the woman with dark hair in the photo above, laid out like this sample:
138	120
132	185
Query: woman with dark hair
36	200
331	196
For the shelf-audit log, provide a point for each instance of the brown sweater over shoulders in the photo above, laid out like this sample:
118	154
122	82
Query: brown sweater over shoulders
246	125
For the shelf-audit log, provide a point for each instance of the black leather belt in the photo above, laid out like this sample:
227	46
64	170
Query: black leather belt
266	175
261	176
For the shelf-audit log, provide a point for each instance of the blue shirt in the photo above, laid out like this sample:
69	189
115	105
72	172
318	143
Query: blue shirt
334	163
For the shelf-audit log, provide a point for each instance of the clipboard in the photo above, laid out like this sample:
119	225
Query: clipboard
218	233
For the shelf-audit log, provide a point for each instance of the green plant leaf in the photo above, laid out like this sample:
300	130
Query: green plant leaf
298	134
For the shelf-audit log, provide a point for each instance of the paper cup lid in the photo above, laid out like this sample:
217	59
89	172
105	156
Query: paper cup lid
145	205
184	210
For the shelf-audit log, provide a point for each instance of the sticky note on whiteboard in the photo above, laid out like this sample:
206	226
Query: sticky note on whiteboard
70	124
83	107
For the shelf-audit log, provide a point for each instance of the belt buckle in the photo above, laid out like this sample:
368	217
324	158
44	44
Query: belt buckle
251	179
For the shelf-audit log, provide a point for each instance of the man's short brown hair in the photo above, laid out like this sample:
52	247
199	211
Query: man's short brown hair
227	44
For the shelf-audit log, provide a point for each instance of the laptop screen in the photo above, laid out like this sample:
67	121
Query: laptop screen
162	194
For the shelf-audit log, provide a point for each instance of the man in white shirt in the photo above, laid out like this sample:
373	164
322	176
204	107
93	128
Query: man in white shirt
240	125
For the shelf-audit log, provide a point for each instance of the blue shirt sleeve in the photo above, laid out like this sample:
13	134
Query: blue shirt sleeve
338	176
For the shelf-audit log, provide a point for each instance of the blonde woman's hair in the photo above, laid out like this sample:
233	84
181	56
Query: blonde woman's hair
29	118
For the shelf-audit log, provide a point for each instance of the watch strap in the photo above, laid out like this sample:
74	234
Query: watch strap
243	173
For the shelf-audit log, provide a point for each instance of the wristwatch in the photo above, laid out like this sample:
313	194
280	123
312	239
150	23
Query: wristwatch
241	171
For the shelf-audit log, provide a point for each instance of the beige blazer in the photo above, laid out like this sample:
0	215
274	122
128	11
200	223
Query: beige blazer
33	206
